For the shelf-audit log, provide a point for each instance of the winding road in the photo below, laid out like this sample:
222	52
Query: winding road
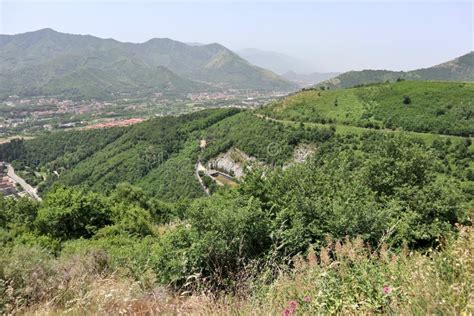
28	188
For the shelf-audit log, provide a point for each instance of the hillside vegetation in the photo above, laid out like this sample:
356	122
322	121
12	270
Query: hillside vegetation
158	155
459	69
376	220
428	107
387	192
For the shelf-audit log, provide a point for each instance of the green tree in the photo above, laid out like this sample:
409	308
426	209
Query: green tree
69	213
406	100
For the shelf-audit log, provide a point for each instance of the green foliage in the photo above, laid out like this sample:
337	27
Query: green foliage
398	162
376	187
159	155
128	255
224	233
17	214
390	188
131	220
266	140
406	100
69	213
459	69
174	179
434	107
162	229
209	183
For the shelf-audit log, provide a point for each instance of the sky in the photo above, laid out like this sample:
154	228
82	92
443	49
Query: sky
329	35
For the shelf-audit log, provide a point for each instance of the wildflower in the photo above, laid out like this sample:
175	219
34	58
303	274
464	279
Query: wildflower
307	299
286	312
292	305
387	289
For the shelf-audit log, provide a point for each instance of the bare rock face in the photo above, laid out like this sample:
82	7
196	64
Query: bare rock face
236	163
233	162
301	154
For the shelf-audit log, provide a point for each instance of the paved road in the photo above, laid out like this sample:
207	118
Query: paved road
28	188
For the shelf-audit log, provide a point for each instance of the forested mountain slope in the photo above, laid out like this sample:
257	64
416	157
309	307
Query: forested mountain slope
459	69
47	62
160	154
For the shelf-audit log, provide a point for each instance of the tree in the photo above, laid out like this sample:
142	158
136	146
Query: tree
406	100
224	233
69	213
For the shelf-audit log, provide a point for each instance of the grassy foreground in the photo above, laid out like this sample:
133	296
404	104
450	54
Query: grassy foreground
344	278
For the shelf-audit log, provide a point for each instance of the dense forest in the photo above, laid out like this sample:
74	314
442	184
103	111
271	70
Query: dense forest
158	155
346	231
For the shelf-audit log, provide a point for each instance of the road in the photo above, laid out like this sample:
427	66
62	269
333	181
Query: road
344	129
28	188
197	168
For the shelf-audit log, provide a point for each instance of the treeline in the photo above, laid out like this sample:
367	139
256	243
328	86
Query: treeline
59	150
158	155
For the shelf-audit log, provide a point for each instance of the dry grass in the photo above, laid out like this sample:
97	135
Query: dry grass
343	278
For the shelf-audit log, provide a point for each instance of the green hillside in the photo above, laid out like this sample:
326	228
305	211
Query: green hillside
370	203
459	69
427	107
158	155
47	62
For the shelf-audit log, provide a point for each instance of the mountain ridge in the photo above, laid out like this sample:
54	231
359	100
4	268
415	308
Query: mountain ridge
458	69
31	62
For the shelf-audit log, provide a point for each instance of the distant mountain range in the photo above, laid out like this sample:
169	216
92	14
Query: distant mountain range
47	62
305	80
459	69
290	68
276	62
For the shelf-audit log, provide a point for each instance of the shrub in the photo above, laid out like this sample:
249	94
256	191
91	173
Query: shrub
225	232
72	213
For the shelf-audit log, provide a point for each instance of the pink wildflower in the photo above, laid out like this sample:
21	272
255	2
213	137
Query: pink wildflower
292	305
387	289
286	312
307	299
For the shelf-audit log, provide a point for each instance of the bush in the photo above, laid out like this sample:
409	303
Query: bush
69	213
225	232
391	190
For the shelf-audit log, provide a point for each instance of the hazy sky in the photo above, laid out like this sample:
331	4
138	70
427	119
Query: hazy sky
333	36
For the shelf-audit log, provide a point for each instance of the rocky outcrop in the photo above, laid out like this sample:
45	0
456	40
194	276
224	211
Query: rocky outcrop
301	153
233	162
236	163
